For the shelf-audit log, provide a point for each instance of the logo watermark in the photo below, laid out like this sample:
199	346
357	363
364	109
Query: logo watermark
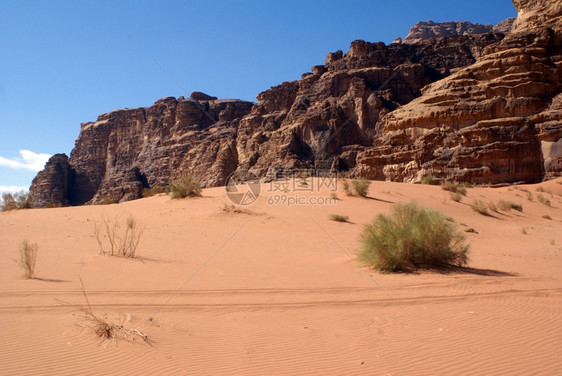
288	187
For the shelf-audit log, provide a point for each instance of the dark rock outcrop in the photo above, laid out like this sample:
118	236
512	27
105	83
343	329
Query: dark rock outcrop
484	108
51	186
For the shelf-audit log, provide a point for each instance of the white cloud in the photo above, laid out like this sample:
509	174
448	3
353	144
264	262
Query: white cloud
12	189
28	160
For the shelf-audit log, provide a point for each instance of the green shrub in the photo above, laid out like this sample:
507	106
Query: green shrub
361	187
185	186
338	218
429	180
28	258
452	186
412	237
479	207
152	191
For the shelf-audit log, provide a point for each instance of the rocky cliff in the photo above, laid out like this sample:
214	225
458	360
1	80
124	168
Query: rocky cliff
484	108
497	120
429	29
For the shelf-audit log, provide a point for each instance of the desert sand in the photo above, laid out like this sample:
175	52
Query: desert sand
275	290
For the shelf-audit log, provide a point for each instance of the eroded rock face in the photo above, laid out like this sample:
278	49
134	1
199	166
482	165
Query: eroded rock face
495	121
51	186
328	117
125	151
429	29
483	108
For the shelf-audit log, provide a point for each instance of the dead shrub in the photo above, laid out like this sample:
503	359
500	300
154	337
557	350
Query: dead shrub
124	245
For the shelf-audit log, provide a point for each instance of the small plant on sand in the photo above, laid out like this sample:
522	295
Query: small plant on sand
361	187
338	218
492	206
412	237
12	201
333	196
453	186
185	186
455	196
529	195
124	245
479	207
107	330
539	189
546	216
543	200
106	200
508	205
347	188
429	180
28	258
152	191
524	231
233	209
471	230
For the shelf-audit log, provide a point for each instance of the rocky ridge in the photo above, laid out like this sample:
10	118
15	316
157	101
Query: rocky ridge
483	108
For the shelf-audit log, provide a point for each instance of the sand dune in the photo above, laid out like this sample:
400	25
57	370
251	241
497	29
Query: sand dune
273	290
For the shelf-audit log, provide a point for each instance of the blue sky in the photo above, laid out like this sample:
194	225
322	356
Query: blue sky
64	62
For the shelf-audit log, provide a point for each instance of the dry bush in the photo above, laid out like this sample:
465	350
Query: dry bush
338	218
347	188
543	200
455	196
28	258
106	200
479	207
412	237
361	187
508	205
18	200
107	330
453	186
333	196
546	216
124	245
233	209
152	191
185	186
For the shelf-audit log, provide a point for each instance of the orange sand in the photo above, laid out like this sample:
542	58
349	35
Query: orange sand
281	296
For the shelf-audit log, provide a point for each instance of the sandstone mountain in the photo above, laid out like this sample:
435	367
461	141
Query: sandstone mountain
484	108
429	29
